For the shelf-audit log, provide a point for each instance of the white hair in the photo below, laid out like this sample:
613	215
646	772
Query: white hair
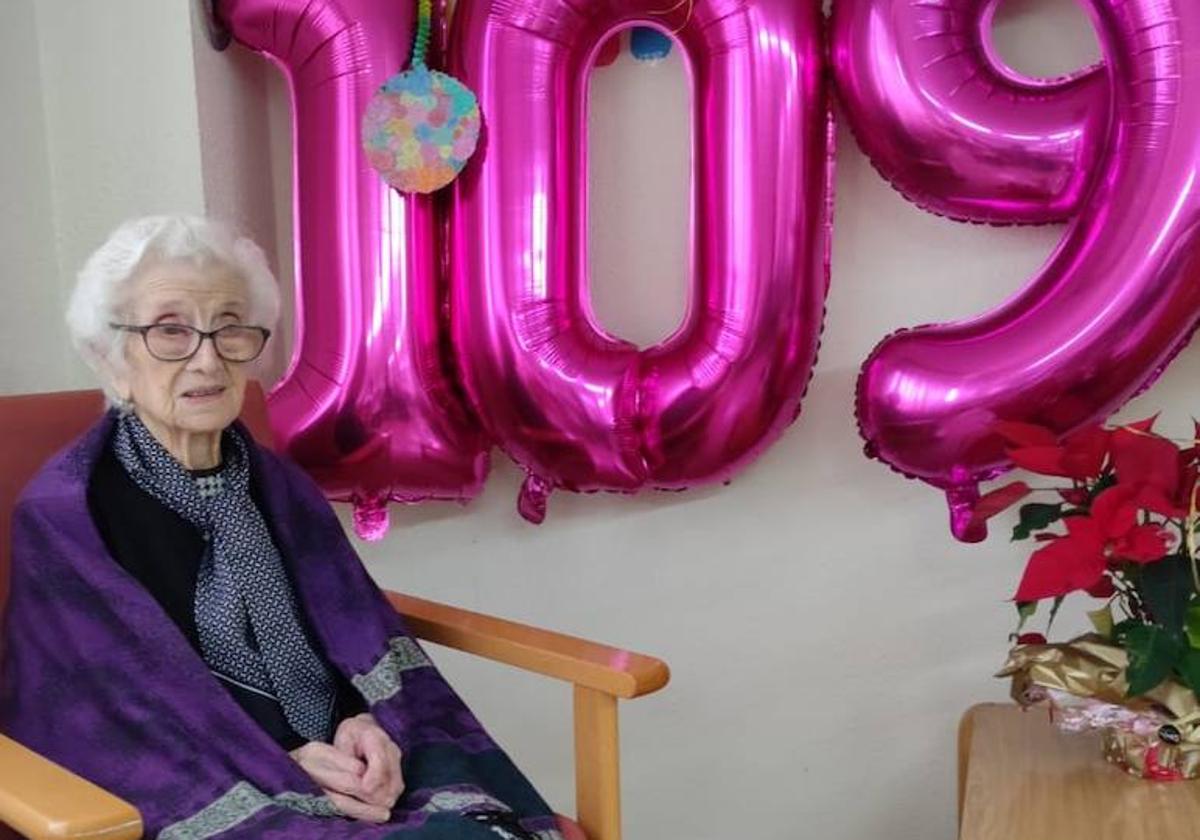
98	289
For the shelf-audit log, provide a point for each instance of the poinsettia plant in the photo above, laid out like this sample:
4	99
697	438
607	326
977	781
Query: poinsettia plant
1119	526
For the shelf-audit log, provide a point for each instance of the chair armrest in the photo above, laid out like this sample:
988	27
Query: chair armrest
41	799
612	671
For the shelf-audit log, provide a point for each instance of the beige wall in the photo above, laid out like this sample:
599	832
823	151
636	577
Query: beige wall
30	317
823	629
106	128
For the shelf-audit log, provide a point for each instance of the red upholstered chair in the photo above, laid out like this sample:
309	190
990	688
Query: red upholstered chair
41	799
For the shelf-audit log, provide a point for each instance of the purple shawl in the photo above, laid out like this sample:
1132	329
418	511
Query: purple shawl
99	679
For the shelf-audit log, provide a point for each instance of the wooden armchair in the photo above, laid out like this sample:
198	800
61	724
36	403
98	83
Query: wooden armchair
40	799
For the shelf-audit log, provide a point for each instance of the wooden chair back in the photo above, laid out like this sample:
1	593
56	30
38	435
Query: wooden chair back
33	427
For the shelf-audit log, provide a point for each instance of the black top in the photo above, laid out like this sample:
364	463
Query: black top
163	551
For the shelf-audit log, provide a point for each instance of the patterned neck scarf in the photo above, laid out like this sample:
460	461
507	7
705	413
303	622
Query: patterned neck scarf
246	614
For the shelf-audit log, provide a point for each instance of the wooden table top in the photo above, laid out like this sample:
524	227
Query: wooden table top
1025	780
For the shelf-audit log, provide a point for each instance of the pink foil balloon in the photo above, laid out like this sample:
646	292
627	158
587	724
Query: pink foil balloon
577	407
368	405
1114	304
951	126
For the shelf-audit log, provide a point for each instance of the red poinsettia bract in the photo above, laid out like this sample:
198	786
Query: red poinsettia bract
1035	448
1110	533
1164	474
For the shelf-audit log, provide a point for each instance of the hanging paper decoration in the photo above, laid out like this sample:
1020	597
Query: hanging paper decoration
645	44
422	126
610	51
648	44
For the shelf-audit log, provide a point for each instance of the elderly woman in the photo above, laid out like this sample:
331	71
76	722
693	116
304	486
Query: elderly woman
188	625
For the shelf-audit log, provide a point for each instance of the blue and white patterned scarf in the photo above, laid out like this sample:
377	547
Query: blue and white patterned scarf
246	613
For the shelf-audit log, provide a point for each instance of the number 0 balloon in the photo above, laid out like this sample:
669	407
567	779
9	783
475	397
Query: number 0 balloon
579	408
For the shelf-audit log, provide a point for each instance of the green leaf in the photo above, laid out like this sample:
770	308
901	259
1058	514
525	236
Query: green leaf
1058	601
1192	625
1166	587
1102	620
1189	668
1035	516
1121	631
1153	654
1025	610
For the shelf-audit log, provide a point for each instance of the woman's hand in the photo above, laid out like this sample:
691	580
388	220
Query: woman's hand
364	740
340	775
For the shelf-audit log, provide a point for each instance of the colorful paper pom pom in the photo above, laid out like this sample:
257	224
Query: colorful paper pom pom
420	129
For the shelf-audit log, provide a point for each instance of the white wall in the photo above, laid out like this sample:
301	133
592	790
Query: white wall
105	102
245	138
824	630
30	316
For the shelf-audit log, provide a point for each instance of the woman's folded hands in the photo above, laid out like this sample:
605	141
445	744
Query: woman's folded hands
359	771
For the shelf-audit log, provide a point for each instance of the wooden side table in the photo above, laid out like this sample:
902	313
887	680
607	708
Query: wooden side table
1021	779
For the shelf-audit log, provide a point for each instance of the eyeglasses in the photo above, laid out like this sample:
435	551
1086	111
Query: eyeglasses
177	342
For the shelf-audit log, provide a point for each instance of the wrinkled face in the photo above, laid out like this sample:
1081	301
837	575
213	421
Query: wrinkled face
202	394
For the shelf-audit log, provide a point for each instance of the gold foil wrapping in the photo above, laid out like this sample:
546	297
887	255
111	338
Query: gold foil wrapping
1094	668
1148	757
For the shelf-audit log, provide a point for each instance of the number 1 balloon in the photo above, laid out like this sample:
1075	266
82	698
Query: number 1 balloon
368	405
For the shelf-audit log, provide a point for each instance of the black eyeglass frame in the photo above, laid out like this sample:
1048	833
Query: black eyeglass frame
144	330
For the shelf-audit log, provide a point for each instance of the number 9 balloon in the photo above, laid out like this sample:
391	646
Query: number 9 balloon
1118	148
